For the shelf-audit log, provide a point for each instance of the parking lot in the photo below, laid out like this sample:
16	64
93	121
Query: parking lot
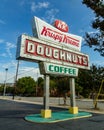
12	115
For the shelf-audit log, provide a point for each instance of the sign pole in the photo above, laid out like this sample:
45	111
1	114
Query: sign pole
73	109
46	112
46	92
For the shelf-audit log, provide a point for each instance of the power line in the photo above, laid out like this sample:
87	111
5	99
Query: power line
20	74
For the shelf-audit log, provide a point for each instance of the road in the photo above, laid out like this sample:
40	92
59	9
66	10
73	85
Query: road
12	118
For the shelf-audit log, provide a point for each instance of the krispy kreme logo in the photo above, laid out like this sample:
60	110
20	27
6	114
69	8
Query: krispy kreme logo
55	35
62	26
59	37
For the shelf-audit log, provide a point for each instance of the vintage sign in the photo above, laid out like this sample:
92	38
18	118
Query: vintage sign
32	49
55	69
62	26
52	35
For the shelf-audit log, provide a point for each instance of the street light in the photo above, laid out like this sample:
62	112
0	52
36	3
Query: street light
5	82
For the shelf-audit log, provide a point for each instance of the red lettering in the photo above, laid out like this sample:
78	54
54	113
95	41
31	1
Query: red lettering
59	37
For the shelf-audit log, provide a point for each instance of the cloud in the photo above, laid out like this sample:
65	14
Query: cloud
102	2
98	62
29	71
2	22
9	47
23	69
22	2
43	5
3	55
10	77
50	15
11	65
39	5
2	75
22	72
1	40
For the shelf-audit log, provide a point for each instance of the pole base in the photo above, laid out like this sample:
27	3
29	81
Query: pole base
73	110
46	113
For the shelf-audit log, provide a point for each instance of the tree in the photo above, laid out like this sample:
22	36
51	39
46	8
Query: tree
40	86
40	82
78	90
26	86
1	89
84	81
53	88
63	85
90	80
96	39
9	90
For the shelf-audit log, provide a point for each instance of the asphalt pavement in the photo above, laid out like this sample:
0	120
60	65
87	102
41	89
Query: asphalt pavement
12	115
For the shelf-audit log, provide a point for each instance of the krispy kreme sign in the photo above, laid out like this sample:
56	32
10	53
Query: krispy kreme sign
49	33
33	49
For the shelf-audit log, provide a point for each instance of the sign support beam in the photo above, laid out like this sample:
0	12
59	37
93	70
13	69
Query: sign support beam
46	91
46	112
73	109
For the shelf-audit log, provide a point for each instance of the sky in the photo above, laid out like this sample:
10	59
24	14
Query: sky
15	19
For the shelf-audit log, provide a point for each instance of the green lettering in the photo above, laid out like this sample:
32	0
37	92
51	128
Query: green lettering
66	70
56	68
50	67
61	69
74	72
70	71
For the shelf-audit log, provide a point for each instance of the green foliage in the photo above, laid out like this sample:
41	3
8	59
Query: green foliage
52	84
9	89
96	39
1	89
26	86
90	80
40	82
63	85
40	79
78	89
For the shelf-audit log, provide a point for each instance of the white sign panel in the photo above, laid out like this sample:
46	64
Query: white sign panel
50	68
49	33
32	49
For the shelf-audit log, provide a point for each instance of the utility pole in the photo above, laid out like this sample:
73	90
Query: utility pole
5	82
15	82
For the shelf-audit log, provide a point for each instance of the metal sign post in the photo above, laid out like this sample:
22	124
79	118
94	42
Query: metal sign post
46	112
46	91
73	109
